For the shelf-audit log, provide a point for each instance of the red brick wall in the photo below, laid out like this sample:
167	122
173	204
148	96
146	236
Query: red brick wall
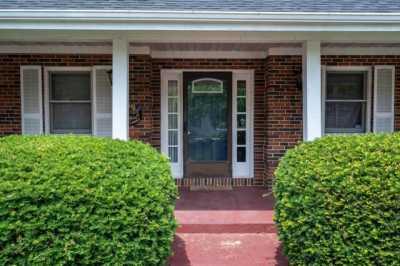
284	125
278	101
284	100
141	93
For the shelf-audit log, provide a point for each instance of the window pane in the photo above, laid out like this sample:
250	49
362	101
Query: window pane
173	121
71	118
241	154
172	105
207	121
241	138
172	88
173	154
70	86
172	138
342	117
241	88
345	86
241	121
207	86
241	105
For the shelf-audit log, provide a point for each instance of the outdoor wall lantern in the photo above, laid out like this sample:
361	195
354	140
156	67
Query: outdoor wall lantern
135	110
299	79
109	76
135	114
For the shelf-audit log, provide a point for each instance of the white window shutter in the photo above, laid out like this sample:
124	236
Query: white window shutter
102	102
384	99
31	100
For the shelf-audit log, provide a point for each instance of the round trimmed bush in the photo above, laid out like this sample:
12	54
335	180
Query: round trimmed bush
338	201
68	200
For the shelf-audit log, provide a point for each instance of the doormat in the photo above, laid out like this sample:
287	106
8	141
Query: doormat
210	184
218	182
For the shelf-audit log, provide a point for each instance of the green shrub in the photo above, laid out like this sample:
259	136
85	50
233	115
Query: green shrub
338	201
84	201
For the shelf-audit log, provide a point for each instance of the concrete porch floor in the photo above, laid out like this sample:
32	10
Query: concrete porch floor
226	228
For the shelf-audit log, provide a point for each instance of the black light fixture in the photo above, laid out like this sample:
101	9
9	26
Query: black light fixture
135	114
135	110
109	76
299	79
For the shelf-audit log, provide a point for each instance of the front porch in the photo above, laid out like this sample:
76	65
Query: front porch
277	89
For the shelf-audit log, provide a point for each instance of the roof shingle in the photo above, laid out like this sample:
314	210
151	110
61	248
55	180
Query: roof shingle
345	6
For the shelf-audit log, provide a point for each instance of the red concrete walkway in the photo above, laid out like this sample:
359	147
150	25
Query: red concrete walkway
226	228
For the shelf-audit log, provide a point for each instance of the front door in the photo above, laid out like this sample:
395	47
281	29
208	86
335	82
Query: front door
207	124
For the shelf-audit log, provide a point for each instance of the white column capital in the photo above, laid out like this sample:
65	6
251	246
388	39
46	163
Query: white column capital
120	89
312	96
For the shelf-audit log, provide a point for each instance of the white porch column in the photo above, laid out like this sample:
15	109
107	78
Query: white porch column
312	101
120	89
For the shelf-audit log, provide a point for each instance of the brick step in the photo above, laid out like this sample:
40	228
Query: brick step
227	249
225	221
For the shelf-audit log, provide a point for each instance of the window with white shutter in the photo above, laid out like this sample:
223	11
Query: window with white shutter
102	101
31	100
384	99
347	99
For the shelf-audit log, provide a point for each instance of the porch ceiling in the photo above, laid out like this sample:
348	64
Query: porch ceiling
215	46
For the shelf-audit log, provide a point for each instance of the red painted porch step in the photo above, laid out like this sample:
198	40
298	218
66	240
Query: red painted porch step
244	210
227	249
225	221
229	228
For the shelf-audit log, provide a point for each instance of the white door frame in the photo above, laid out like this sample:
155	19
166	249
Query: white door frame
239	170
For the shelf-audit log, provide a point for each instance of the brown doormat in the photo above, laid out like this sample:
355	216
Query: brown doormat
210	184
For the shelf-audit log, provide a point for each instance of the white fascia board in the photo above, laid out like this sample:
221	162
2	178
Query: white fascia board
196	20
150	15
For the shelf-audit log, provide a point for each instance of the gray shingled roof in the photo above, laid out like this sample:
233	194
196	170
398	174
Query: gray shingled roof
359	6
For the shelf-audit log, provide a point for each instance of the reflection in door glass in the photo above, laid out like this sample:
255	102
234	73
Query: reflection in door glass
207	123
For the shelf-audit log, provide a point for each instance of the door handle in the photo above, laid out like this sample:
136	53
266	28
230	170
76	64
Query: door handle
189	132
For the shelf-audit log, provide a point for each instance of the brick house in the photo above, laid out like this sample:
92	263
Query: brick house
222	88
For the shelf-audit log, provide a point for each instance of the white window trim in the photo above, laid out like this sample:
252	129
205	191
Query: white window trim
366	69
47	71
177	74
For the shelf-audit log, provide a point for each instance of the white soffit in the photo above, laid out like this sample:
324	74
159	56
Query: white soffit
342	49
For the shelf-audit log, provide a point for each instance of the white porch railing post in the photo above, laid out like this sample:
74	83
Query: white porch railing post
312	98
120	89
